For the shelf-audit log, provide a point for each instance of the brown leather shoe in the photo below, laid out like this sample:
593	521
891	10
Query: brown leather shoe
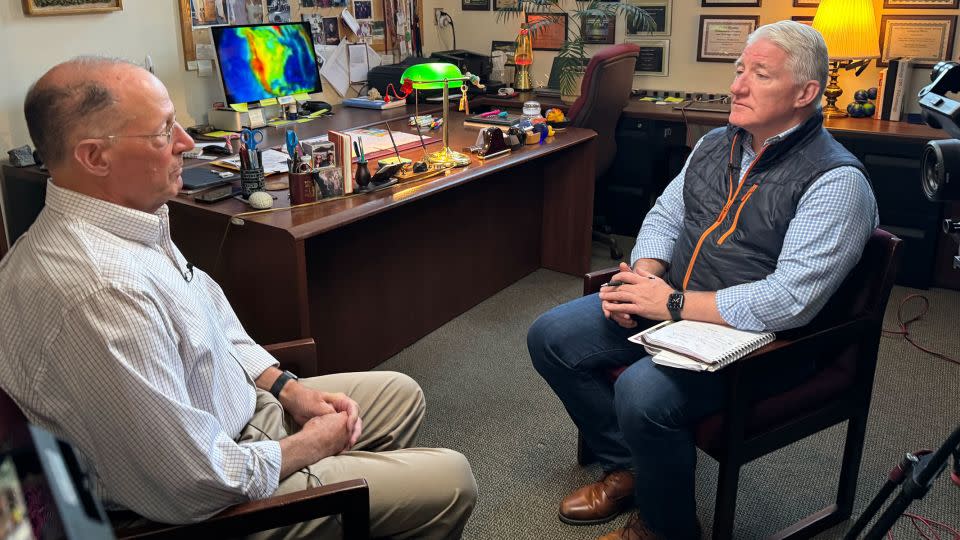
598	502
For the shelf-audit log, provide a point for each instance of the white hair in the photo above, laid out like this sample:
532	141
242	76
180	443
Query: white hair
806	51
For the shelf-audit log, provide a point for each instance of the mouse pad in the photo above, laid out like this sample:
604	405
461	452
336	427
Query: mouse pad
201	177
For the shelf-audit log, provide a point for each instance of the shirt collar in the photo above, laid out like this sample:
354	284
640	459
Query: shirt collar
118	220
748	139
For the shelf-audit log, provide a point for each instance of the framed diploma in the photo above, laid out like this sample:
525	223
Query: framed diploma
806	3
658	10
927	39
730	3
548	36
803	19
920	4
654	58
722	37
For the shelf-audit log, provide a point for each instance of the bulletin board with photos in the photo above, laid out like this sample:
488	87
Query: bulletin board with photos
372	16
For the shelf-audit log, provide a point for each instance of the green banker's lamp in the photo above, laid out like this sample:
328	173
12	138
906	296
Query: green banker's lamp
435	76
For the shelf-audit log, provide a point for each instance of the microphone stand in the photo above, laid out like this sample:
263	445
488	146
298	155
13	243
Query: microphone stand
916	472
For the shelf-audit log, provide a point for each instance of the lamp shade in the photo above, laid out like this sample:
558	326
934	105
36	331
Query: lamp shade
849	27
431	76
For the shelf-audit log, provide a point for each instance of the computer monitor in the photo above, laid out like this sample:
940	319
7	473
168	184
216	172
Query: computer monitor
262	61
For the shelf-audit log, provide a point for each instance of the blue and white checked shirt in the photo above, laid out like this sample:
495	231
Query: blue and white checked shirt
834	220
104	343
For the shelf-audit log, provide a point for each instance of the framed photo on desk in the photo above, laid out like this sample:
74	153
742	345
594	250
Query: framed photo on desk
49	7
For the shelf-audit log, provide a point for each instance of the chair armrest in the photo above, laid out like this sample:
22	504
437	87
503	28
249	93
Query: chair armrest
593	280
350	498
299	356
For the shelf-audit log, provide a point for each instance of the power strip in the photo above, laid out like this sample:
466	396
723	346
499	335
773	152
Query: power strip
689	96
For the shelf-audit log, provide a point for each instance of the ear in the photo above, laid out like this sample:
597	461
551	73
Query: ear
807	94
93	155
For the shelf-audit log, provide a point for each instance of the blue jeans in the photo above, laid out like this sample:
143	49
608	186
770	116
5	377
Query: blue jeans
644	421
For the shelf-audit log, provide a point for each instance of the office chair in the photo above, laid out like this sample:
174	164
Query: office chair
845	335
350	499
604	92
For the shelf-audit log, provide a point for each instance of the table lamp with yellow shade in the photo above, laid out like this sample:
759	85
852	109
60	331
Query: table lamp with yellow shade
849	28
437	76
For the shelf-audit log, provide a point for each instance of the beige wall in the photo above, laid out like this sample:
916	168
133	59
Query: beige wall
475	30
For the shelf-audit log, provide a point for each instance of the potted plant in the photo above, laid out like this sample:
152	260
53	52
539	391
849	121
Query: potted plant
573	52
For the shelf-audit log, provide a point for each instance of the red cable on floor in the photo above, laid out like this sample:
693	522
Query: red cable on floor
905	327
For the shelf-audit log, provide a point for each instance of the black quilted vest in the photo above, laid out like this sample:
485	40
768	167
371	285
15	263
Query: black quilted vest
782	175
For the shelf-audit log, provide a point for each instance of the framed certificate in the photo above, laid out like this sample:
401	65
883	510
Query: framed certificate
475	5
730	3
927	39
803	19
722	37
548	36
920	4
806	3
658	10
654	58
598	29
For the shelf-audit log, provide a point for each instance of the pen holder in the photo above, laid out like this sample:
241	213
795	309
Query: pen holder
362	175
302	188
250	180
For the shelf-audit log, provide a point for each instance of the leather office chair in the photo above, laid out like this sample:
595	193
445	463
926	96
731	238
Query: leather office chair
350	499
845	335
604	92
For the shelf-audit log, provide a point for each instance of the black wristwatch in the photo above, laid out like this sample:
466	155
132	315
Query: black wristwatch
280	382
675	305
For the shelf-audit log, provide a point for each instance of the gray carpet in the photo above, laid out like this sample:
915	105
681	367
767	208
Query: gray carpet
485	400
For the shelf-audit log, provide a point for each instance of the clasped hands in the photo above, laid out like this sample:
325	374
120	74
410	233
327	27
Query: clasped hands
640	293
333	413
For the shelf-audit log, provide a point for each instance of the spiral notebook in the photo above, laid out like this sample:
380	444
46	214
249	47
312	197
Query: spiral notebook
699	346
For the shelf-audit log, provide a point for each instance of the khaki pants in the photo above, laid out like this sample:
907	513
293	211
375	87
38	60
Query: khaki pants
414	492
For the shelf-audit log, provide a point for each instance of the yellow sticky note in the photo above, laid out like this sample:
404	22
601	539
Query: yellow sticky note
301	97
673	100
269	101
218	133
239	107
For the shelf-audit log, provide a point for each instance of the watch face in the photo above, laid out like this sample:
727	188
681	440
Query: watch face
676	301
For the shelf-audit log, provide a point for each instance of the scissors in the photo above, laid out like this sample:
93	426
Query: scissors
251	138
292	143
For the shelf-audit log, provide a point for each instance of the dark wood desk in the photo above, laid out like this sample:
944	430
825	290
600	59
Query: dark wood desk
370	274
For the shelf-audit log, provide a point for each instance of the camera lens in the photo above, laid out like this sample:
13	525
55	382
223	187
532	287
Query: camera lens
941	159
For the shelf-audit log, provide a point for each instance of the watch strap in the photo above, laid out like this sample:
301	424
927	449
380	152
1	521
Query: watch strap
282	380
675	305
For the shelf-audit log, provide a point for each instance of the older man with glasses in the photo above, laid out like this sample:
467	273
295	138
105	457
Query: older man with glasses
112	341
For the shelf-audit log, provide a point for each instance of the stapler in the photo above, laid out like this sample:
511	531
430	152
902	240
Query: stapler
490	144
314	106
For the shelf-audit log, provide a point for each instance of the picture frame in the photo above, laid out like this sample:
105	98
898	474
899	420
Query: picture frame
76	7
659	10
806	3
921	4
803	19
598	29
926	38
548	37
729	3
508	47
512	5
475	5
654	57
722	37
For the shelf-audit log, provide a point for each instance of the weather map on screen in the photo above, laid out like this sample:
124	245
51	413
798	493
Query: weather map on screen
266	61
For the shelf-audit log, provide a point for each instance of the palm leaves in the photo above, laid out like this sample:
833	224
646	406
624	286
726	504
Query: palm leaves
573	53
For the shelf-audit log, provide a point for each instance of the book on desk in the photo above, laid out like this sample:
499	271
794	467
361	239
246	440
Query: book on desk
379	104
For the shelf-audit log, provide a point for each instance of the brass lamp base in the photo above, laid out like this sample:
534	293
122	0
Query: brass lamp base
832	93
522	82
448	158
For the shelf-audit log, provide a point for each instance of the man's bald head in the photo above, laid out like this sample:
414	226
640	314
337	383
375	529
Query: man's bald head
78	92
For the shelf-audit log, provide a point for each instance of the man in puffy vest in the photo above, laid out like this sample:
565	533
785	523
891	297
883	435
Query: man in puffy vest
758	230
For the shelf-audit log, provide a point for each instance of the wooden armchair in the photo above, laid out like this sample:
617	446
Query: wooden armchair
350	499
846	336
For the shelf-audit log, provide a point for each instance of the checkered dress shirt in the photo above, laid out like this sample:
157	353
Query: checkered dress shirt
105	342
834	220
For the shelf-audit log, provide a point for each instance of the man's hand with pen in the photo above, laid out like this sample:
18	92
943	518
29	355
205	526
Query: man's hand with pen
634	292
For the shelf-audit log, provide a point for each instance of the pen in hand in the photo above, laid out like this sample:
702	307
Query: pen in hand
616	283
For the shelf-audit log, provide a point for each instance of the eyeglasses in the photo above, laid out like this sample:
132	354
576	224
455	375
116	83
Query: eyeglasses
167	134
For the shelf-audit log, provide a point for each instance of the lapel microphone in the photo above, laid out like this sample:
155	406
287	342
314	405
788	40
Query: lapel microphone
188	275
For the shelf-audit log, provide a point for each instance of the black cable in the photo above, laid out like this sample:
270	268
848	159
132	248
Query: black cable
305	470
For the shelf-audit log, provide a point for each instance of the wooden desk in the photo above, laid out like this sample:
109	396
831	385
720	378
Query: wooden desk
370	274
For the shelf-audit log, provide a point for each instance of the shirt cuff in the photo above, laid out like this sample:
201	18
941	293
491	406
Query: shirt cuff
255	359
733	305
267	458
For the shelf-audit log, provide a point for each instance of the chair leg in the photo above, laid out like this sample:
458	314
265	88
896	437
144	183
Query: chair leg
725	507
585	456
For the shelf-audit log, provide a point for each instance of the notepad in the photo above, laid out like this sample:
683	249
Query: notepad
699	346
